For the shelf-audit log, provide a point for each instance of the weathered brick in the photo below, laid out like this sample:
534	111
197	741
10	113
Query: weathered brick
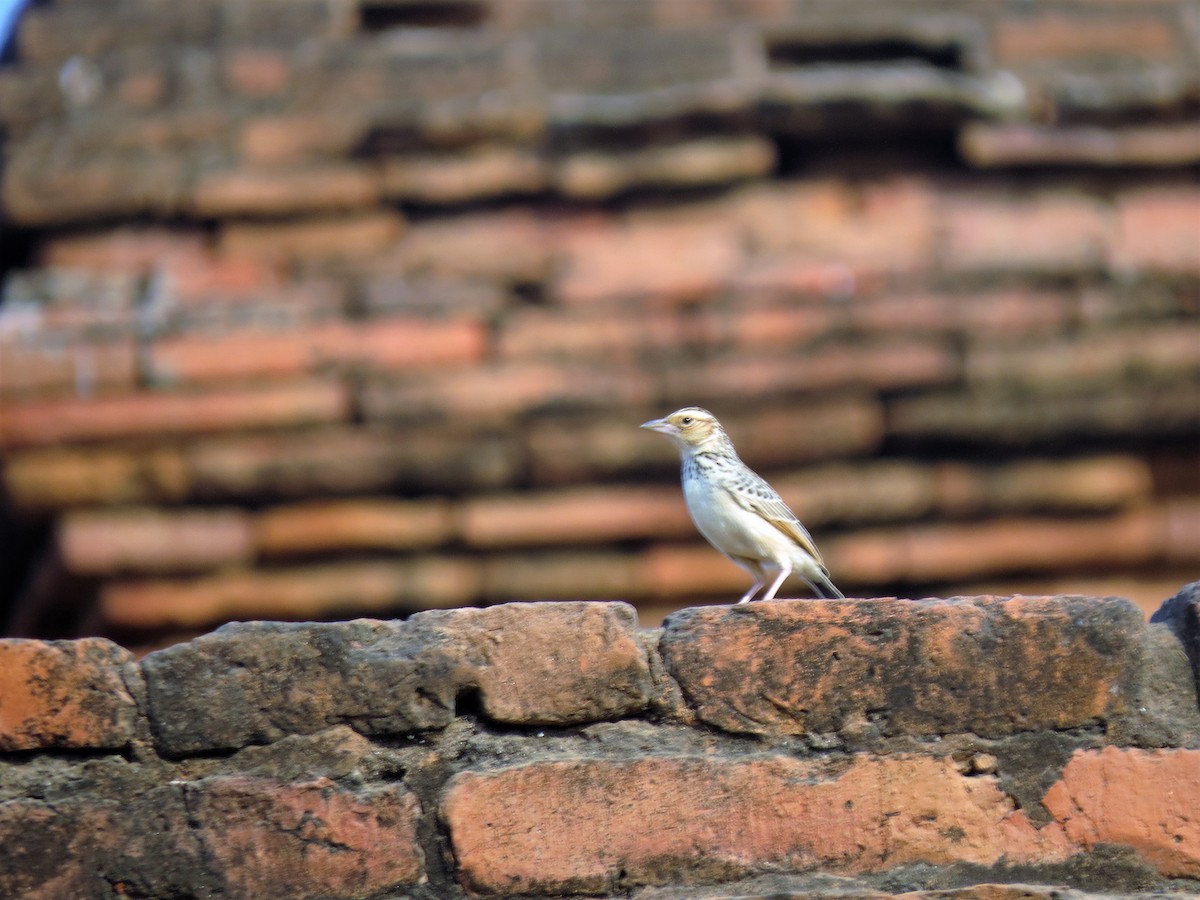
1050	231
911	667
664	257
549	575
498	393
40	480
295	137
542	663
932	553
257	72
322	527
479	173
1145	799
395	342
1145	352
318	591
268	191
883	226
1015	311
126	248
350	460
507	247
62	421
706	161
309	838
578	826
580	515
549	663
52	365
1056	37
98	542
343	238
891	364
1158	229
990	144
65	695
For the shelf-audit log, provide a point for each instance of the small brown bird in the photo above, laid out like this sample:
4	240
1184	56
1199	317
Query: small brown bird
737	511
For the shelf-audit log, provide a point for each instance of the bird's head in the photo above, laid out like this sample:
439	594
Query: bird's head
692	429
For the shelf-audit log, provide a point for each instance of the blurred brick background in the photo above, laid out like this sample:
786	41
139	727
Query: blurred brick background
319	309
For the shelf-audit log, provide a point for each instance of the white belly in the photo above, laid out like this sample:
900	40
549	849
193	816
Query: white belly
731	529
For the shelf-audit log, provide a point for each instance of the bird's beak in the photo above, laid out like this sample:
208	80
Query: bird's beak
662	426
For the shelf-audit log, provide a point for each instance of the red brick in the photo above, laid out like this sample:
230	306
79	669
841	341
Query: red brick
772	325
324	526
554	334
150	414
1095	484
1018	311
479	173
884	226
1145	799
309	592
889	364
548	575
351	460
387	344
51	365
1055	37
1159	229
280	192
153	540
142	90
1144	352
670	570
125	248
707	161
257	73
579	515
578	826
296	137
1182	530
790	276
933	553
496	393
308	838
665	256
988	144
65	694
1056	231
342	238
907	667
508	247
42	480
550	663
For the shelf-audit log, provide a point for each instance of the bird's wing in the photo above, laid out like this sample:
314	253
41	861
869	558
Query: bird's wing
752	493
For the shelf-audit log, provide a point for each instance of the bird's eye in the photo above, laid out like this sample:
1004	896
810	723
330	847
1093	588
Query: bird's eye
686	420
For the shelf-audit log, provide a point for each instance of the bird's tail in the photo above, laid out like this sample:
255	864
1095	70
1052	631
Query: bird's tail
824	588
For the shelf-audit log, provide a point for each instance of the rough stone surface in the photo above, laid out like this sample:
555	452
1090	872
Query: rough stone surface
1145	799
989	665
550	663
580	826
536	663
65	694
307	838
1181	613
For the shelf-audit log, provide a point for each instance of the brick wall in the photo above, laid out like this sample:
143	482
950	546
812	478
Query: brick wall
977	747
316	310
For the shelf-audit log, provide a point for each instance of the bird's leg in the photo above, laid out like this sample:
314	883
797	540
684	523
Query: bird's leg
784	572
758	582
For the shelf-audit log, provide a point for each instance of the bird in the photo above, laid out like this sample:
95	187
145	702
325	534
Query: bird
737	511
